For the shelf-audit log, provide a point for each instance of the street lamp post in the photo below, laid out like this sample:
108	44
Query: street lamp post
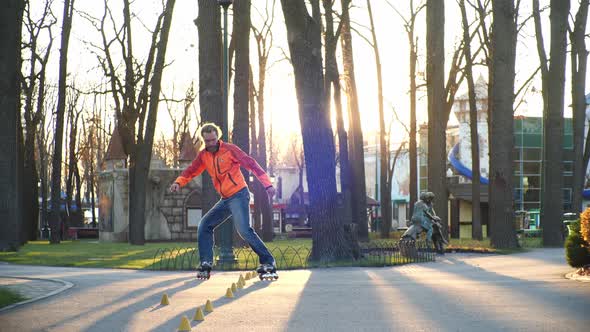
226	255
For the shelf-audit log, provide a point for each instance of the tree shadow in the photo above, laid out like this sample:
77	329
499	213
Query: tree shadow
337	299
567	304
124	297
409	298
172	323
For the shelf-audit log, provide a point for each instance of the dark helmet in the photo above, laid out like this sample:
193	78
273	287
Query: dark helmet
426	195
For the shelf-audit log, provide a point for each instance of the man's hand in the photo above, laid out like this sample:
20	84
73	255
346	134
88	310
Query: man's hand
175	187
271	191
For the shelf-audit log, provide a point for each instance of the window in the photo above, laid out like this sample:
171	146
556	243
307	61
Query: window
568	167
193	217
531	168
532	154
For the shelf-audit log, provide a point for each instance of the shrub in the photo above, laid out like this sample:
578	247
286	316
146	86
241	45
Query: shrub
576	250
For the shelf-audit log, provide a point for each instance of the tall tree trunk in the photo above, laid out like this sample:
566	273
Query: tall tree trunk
79	221
256	215
11	12
30	187
355	143
413	143
544	64
260	195
37	118
502	124
476	231
437	119
138	175
210	81
55	218
332	78
482	13
329	242
43	178
91	181
385	191
73	172
552	200
579	58
262	206
241	38
242	80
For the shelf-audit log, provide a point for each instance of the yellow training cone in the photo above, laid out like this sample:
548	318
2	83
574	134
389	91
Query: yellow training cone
233	287
198	315
241	279
240	285
229	293
208	306
164	300
185	325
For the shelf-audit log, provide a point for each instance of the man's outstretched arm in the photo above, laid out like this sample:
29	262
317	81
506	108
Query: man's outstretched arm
250	164
195	169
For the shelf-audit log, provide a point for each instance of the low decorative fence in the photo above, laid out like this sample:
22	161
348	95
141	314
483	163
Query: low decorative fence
376	253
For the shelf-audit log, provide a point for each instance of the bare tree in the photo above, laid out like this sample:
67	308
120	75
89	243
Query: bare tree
579	60
136	95
180	124
437	118
502	123
264	41
55	218
332	79
384	193
138	173
210	81
410	27
553	80
304	31
44	151
552	197
33	84
73	216
476	231
355	142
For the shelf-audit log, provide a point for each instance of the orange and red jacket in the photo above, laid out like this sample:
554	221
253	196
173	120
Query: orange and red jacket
224	168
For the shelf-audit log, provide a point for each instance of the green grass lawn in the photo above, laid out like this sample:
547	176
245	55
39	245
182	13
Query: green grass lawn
87	254
166	255
8	297
84	253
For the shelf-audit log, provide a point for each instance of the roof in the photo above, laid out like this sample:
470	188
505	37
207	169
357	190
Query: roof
481	90
370	200
462	191
188	151
115	150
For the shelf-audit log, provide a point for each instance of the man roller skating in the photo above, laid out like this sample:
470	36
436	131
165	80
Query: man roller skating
222	161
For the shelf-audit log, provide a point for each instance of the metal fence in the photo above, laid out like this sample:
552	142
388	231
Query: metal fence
376	253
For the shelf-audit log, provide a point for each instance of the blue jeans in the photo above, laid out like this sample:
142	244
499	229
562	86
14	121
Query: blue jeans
237	206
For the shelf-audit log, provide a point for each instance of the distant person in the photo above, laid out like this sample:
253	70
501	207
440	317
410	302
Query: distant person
222	161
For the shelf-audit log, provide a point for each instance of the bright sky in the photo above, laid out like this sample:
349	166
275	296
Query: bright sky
280	94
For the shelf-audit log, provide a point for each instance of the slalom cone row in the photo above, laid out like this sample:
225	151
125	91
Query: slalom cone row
199	315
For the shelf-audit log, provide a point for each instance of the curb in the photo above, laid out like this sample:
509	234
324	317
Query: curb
576	277
66	285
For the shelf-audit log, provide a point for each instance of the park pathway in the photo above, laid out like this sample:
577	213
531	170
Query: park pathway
460	292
